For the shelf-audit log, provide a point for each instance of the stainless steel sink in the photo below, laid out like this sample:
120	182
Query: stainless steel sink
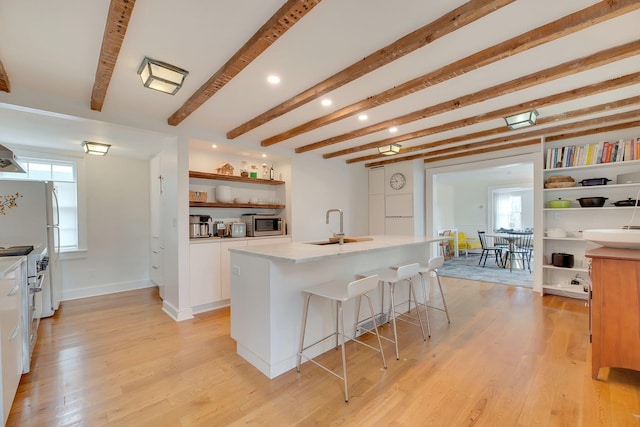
335	241
323	242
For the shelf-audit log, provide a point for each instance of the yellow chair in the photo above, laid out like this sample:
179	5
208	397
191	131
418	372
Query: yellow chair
465	243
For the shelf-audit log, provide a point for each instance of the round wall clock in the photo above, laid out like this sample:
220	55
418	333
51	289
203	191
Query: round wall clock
397	181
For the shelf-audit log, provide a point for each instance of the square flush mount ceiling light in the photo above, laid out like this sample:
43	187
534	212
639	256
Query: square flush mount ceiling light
389	149
95	148
161	76
521	120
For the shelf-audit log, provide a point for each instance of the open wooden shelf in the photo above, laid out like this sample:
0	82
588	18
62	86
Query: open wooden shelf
233	205
207	175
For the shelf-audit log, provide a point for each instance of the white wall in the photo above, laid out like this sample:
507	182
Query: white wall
470	207
444	209
118	235
319	185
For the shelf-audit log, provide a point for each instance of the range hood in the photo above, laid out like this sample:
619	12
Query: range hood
8	162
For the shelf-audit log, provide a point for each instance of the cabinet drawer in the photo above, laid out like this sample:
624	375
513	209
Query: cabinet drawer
11	367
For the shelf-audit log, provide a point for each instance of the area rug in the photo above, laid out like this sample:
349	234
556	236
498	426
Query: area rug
466	267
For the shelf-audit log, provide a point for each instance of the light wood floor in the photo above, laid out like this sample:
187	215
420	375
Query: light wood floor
509	358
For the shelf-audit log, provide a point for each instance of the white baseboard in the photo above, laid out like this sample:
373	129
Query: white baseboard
105	289
174	313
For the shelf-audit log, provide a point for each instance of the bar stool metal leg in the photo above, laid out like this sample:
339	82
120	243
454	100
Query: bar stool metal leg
344	358
393	318
305	312
444	301
412	291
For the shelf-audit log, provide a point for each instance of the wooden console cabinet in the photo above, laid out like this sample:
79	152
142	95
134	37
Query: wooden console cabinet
615	309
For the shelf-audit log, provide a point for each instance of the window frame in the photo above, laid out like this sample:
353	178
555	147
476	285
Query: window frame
36	154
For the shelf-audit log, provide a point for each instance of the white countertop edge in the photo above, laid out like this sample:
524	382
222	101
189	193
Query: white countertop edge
233	239
9	263
305	252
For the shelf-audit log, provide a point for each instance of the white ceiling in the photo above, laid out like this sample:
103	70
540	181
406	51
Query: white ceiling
50	51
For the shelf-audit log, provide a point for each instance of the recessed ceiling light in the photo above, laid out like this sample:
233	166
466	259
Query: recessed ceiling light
393	129
264	156
326	102
214	146
273	79
363	117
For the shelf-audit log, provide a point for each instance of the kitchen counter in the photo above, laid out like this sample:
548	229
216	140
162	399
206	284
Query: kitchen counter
603	252
233	239
9	263
266	291
311	251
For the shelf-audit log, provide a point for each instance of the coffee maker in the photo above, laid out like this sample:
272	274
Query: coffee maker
200	226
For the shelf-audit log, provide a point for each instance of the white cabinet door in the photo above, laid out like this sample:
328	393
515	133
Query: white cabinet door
225	266
156	261
376	214
10	336
399	226
376	181
154	196
204	273
399	205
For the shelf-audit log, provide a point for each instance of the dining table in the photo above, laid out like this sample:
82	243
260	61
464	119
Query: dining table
509	238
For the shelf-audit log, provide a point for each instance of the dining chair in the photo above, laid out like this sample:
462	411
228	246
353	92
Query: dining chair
520	249
488	247
445	245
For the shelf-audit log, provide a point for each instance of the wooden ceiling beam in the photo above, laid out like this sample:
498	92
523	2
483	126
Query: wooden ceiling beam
114	32
444	155
563	70
592	131
482	149
592	15
569	95
456	19
593	126
283	20
5	86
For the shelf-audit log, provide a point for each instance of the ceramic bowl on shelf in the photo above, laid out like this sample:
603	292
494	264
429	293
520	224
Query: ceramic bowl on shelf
556	232
223	194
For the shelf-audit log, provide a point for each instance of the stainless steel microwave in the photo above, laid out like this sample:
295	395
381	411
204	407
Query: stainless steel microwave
262	225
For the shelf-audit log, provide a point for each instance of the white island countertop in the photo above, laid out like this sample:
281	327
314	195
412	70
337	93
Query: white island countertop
307	251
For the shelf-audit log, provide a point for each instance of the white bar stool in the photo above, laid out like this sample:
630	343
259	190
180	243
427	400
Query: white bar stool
431	269
393	276
339	292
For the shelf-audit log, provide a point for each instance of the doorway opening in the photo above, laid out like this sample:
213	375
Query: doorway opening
491	197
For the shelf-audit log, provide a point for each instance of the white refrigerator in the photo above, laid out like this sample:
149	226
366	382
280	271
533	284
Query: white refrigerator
35	221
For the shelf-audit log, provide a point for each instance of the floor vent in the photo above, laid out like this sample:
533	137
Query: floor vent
381	319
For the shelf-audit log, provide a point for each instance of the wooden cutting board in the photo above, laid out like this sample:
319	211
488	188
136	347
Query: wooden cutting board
351	239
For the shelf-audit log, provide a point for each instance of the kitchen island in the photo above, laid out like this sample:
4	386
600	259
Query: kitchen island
615	309
267	298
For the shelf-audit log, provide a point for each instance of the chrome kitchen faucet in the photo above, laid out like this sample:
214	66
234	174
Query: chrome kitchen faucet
341	233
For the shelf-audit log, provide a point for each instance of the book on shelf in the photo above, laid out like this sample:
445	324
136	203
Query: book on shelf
592	154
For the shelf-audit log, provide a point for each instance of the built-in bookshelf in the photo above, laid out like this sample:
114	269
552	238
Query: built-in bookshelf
616	165
593	154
